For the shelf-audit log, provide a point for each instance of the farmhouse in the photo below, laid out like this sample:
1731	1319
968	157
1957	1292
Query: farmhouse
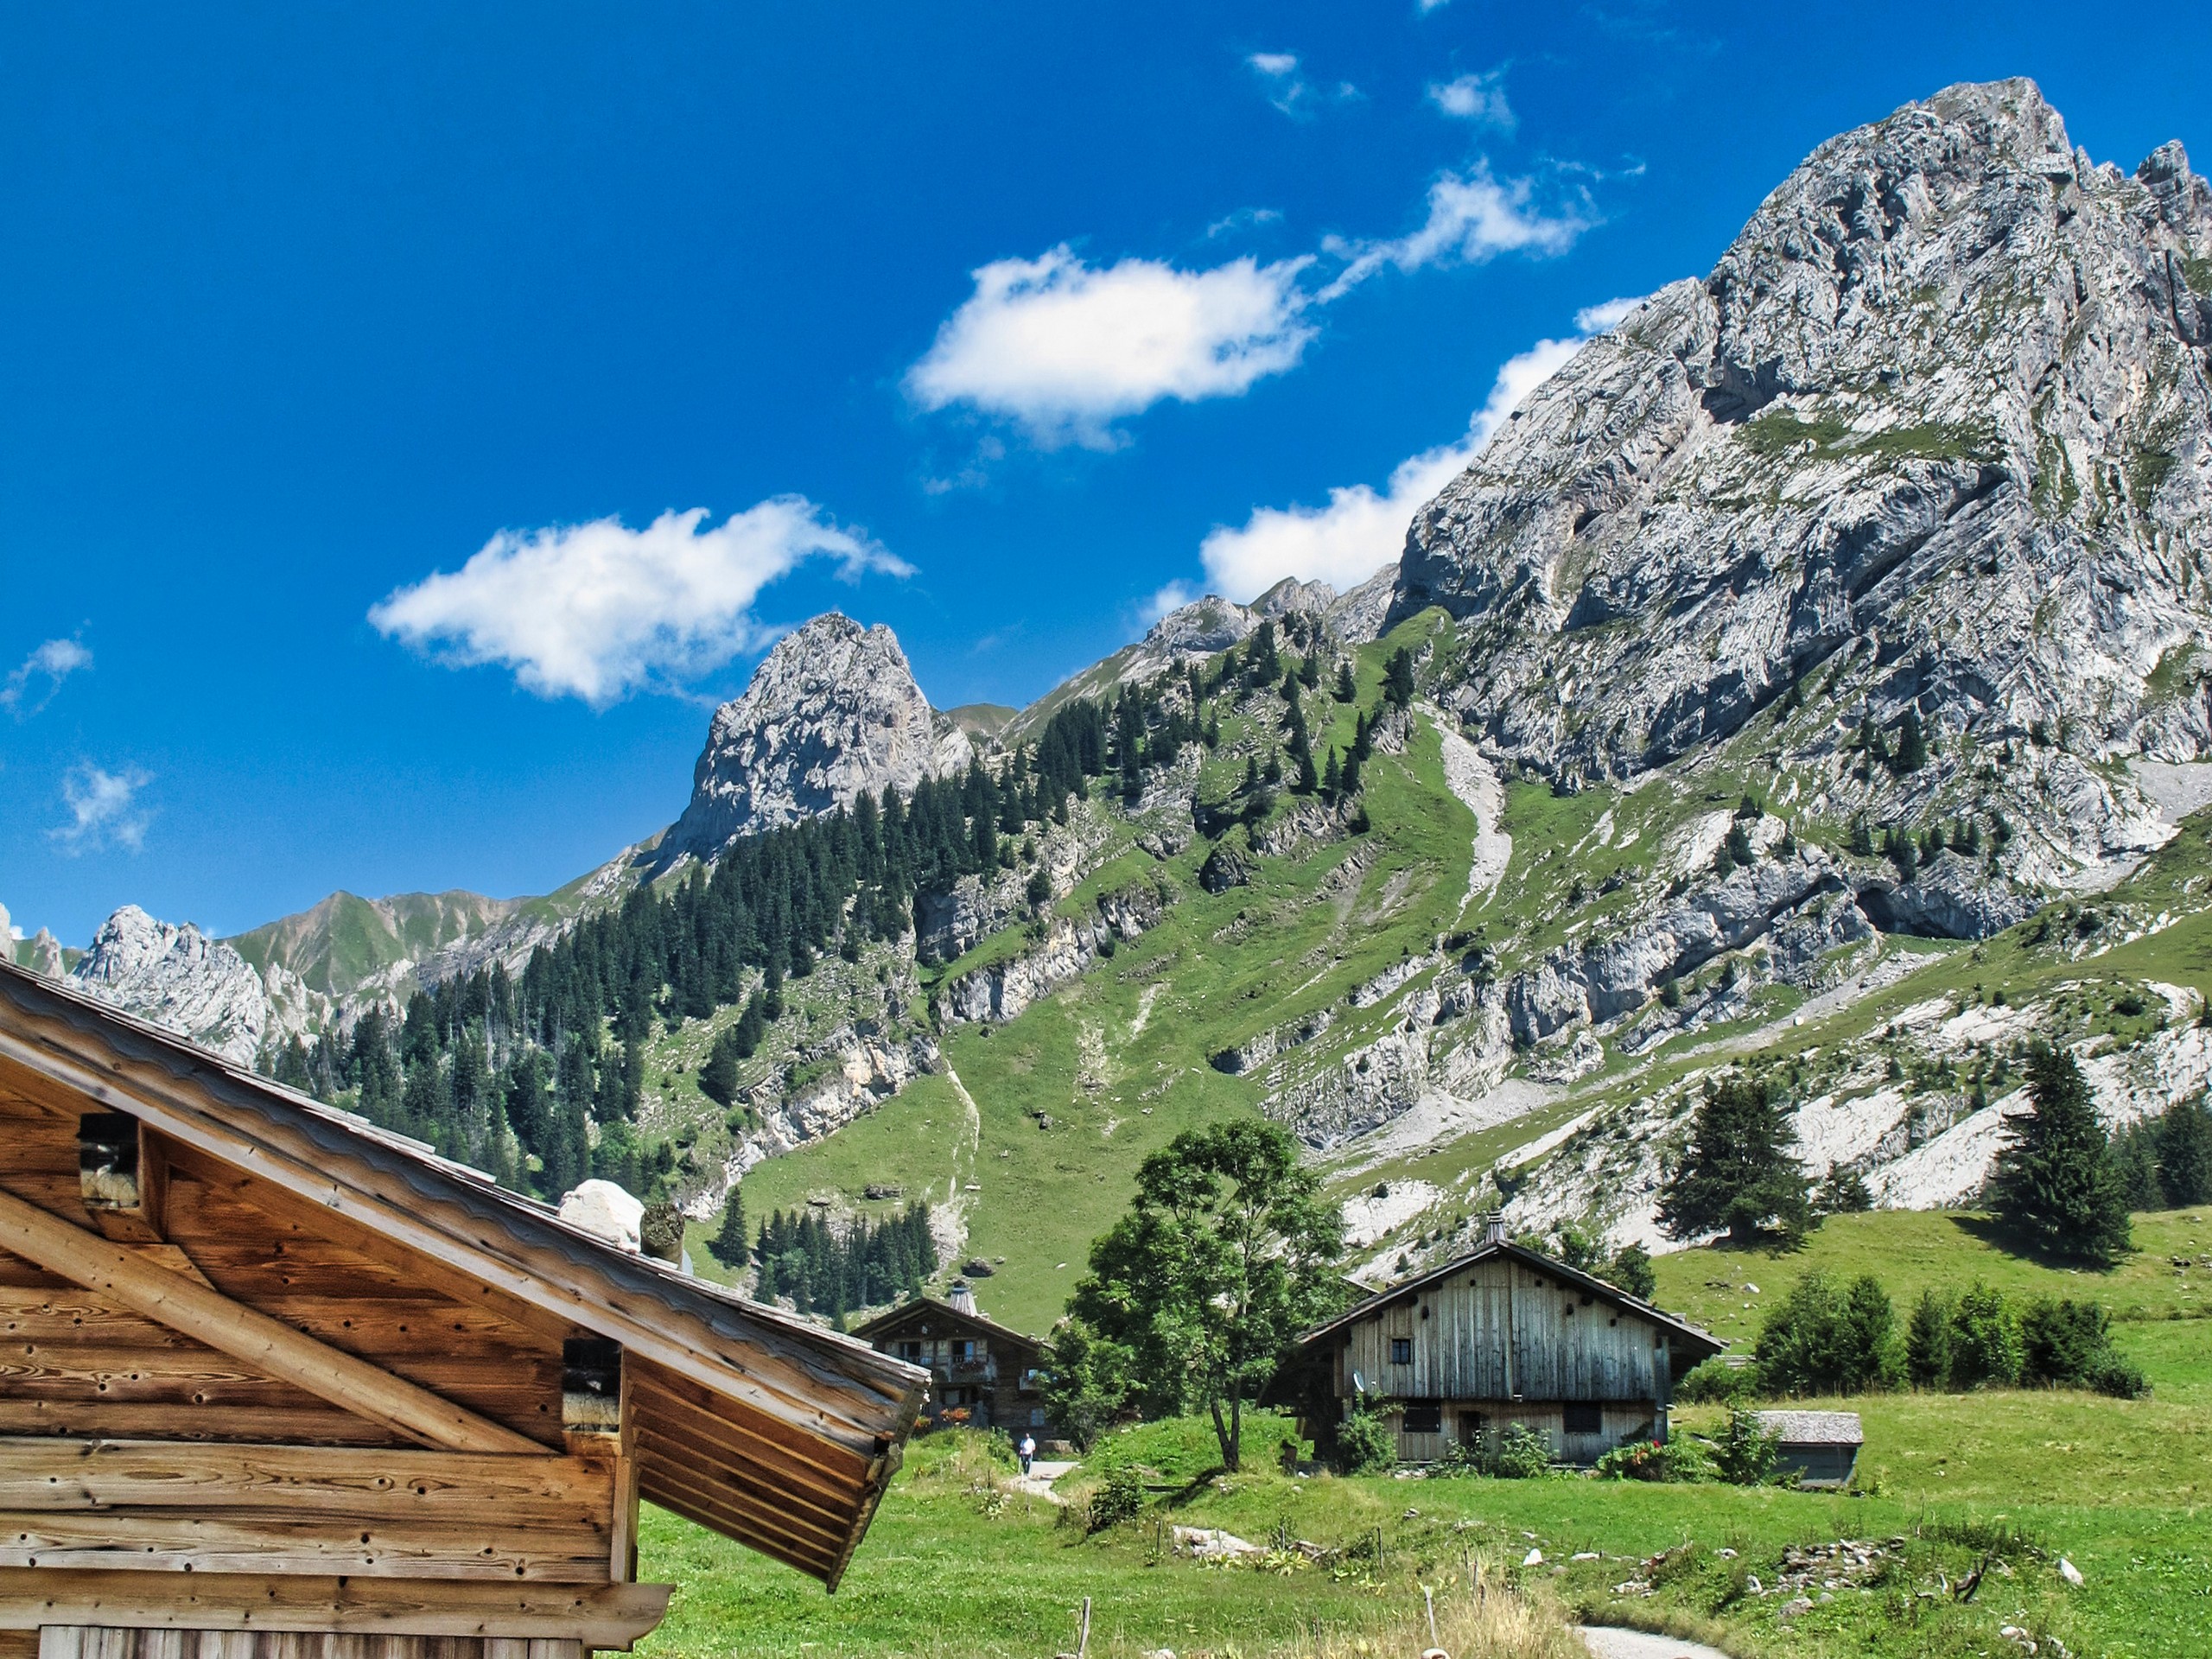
1500	1336
975	1365
276	1384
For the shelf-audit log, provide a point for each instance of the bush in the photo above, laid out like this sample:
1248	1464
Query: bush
1118	1499
2060	1340
1715	1382
1522	1454
1984	1340
1674	1462
1823	1340
2115	1373
1365	1444
1746	1454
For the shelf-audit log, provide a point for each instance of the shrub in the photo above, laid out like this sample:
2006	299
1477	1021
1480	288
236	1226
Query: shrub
1631	1271
1365	1444
1522	1454
2115	1373
1823	1340
1715	1382
1746	1454
1674	1461
1985	1339
1119	1499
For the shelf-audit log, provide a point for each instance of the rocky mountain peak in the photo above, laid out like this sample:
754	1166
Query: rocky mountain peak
1933	435
832	711
178	978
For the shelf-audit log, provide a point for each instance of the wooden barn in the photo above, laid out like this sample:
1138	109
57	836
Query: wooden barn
975	1365
276	1384
1500	1336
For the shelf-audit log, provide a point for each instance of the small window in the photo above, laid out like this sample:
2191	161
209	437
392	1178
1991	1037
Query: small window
1402	1351
1424	1417
910	1350
1583	1420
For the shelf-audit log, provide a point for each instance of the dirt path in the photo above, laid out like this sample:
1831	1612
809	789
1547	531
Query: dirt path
1037	1483
1607	1643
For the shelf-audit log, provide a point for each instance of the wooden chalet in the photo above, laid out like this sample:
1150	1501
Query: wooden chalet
1499	1336
276	1384
975	1364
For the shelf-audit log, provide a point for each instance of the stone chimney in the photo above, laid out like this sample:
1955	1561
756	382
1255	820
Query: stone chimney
961	1298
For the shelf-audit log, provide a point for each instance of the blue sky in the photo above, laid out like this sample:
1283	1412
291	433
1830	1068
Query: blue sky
362	364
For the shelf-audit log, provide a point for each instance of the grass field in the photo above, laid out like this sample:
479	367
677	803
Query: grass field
2122	1489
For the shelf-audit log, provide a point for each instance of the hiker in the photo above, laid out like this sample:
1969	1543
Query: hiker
1028	1451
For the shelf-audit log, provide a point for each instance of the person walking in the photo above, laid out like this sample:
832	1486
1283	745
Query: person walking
1028	1452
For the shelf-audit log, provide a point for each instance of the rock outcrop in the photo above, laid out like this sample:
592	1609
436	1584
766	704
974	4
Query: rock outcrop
1002	990
180	979
832	712
1935	436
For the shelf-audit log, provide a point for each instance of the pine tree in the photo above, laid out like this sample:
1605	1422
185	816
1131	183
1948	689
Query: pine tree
2055	1187
1927	1342
1912	744
1309	670
718	1074
729	1245
2184	1143
1332	777
1398	678
1738	1174
1350	785
1347	688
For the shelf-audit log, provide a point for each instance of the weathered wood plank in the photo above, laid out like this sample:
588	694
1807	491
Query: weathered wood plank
600	1615
91	1417
234	1328
525	1491
246	1541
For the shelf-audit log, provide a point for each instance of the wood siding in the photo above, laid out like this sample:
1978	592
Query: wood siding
1498	1329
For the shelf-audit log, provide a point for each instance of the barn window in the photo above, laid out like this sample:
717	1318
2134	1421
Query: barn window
1424	1417
1402	1351
1582	1418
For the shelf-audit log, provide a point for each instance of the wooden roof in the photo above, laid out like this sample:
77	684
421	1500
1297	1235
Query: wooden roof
891	1323
766	1428
1683	1333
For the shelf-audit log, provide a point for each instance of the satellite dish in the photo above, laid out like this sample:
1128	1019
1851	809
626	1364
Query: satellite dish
1358	1383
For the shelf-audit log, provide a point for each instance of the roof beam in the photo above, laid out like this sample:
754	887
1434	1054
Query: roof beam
207	1316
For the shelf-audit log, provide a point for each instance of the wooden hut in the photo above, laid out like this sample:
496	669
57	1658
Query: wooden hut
975	1365
276	1384
1499	1336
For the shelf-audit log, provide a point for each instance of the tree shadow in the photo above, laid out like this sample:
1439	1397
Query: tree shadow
1989	1230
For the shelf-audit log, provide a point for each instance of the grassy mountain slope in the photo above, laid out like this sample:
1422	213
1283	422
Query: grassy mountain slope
1119	1060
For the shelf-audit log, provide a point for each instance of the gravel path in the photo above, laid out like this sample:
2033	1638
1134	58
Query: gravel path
1606	1643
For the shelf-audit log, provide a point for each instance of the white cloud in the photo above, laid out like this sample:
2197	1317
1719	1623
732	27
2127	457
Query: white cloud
104	810
1173	597
1471	218
1065	348
598	610
1363	529
1286	87
1603	319
1479	99
33	683
1245	219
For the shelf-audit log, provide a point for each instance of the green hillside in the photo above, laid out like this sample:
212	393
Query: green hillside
2010	1479
1119	1060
